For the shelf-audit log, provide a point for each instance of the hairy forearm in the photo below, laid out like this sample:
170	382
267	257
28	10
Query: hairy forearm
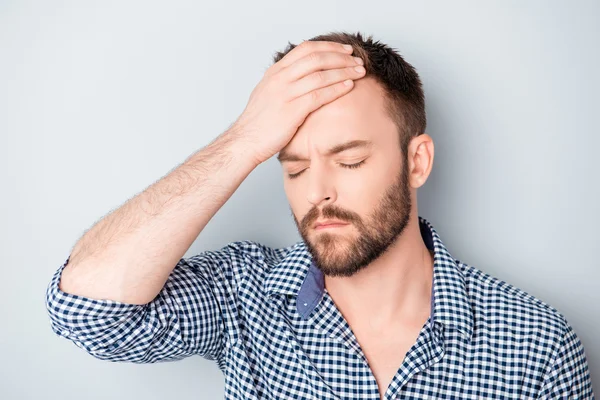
129	254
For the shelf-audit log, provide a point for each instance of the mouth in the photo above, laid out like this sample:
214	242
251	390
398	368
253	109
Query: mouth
330	226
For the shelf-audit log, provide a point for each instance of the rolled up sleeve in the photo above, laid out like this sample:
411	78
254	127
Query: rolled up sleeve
188	316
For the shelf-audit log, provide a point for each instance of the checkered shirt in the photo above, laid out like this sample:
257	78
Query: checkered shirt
264	316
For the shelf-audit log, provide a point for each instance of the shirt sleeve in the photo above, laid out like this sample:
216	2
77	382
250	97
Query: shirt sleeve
188	316
569	376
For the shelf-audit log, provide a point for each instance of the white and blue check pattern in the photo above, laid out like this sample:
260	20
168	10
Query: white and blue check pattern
265	317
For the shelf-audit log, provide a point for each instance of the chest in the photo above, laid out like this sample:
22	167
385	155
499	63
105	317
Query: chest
385	353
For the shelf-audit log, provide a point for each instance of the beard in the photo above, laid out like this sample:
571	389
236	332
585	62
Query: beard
338	253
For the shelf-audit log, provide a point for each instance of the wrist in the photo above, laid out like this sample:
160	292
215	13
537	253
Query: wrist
240	140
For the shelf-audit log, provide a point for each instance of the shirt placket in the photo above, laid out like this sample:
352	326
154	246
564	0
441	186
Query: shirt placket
427	350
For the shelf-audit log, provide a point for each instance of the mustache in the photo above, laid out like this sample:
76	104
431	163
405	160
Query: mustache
327	213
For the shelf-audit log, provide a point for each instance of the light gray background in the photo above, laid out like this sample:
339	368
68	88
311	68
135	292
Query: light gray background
100	99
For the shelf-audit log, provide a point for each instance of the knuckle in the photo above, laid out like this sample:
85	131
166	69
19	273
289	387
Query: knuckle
275	80
313	57
269	71
320	76
303	44
315	96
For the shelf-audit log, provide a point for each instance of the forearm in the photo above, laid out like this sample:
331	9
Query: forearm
129	254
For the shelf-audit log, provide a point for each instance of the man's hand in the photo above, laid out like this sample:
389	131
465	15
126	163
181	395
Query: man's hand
310	75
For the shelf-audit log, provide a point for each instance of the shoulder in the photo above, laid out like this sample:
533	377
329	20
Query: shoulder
498	302
245	253
515	323
258	250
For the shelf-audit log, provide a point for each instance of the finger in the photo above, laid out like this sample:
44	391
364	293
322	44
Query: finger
318	61
305	48
320	79
315	99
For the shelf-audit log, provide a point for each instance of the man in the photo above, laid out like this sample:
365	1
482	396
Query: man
369	305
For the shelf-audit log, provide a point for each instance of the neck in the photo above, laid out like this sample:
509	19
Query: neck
394	289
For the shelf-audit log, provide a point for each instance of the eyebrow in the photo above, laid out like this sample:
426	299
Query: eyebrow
287	156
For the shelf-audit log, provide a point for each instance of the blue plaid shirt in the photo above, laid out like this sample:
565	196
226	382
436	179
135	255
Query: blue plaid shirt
265	317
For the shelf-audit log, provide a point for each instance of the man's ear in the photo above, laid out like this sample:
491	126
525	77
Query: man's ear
420	158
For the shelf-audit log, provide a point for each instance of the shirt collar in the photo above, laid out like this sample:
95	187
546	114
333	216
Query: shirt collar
296	275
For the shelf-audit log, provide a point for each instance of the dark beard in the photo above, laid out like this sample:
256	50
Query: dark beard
386	224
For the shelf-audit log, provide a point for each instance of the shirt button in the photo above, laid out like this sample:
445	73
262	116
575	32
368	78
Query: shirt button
305	304
65	332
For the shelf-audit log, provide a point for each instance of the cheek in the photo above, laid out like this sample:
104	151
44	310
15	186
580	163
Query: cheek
370	184
297	204
292	195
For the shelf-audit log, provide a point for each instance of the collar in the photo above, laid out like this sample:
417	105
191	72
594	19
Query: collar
296	275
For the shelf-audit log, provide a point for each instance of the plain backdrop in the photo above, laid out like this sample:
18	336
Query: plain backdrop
100	99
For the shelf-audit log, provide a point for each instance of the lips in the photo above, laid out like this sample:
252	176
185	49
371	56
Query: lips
329	224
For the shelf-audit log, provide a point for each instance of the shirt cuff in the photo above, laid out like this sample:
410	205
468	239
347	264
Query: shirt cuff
79	317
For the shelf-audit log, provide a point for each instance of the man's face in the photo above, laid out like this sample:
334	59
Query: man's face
374	199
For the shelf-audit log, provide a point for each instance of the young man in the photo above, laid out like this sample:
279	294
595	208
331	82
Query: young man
369	305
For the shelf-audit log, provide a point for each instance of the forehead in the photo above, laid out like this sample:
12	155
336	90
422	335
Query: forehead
358	115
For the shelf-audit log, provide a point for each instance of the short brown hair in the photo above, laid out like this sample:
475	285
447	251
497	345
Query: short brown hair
399	80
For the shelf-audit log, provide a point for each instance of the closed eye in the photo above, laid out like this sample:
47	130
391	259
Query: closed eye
350	166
